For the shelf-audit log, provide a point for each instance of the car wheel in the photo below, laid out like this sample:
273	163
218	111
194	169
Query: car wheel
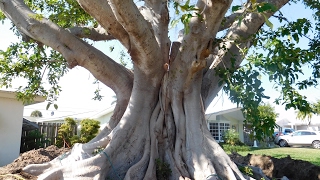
316	144
283	143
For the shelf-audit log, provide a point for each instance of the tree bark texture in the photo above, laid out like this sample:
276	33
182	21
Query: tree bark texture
159	116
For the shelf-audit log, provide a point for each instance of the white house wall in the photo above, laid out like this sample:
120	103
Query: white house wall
11	113
237	125
104	119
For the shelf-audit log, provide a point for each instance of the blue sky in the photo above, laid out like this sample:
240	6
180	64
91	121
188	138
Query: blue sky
77	85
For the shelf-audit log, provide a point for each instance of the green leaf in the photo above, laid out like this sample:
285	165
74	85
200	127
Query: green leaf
236	8
48	106
55	106
266	7
268	23
174	23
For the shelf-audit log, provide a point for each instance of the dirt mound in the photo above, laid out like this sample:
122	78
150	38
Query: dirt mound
272	167
13	170
277	168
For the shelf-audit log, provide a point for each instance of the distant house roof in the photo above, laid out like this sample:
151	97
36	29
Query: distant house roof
234	113
28	125
77	116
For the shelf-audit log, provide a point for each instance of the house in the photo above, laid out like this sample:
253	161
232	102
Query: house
218	122
100	115
11	120
301	124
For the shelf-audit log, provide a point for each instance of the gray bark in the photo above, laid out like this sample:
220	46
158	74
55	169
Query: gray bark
160	107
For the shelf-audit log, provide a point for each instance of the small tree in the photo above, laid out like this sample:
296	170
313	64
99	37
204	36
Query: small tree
307	114
267	121
36	113
65	133
67	138
231	137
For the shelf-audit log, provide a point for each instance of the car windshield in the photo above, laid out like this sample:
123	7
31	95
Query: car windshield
297	133
288	131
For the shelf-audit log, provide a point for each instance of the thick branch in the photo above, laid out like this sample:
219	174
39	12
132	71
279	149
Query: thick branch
229	20
156	12
73	49
95	34
238	38
101	11
213	12
144	47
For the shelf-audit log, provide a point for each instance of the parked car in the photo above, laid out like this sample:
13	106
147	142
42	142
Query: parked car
284	131
301	137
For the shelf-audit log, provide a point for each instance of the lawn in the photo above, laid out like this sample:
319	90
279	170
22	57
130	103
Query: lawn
305	154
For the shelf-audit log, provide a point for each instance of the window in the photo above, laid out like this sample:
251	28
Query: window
288	131
217	130
305	133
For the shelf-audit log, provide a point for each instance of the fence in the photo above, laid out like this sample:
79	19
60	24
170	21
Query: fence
44	137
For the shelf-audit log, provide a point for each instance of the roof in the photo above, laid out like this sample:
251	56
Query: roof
315	121
78	116
226	111
234	113
28	125
12	95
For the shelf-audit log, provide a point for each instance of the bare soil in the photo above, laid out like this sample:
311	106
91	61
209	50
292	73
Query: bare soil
277	168
14	171
272	167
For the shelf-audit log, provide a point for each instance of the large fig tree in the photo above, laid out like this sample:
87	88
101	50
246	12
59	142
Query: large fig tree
158	128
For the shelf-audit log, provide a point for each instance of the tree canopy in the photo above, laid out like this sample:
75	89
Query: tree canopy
159	113
36	113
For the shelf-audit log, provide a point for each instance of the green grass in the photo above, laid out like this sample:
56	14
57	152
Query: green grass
306	154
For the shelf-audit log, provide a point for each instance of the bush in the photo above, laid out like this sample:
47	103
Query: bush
89	129
237	148
231	137
66	133
66	136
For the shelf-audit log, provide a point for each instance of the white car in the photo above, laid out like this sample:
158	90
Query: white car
301	137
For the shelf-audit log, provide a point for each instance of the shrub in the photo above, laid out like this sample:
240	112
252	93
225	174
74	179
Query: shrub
163	170
237	148
231	137
66	133
89	129
66	137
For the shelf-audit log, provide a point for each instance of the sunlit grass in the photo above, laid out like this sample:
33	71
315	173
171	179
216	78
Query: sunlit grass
306	154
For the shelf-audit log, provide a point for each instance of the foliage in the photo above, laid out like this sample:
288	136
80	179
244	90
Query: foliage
237	148
35	140
66	133
262	121
97	150
246	170
66	136
163	170
278	56
89	129
315	109
36	113
231	137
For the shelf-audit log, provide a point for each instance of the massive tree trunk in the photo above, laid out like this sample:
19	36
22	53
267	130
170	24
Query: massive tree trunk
159	116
